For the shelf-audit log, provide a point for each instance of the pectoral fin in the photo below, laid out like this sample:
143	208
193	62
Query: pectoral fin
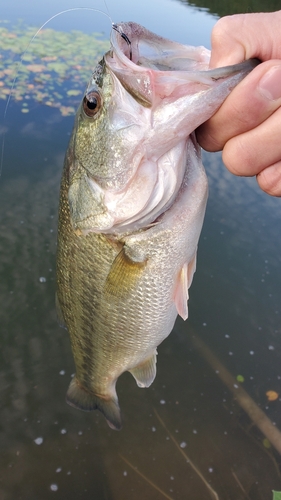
183	283
145	372
82	399
123	275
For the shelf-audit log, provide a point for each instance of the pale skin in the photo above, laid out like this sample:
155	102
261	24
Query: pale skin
247	127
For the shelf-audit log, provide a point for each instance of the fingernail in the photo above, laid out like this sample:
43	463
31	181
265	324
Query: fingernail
270	84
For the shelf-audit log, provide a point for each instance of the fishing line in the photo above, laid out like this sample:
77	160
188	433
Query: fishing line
124	36
20	62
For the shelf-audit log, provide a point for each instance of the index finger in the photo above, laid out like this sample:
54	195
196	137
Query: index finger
243	36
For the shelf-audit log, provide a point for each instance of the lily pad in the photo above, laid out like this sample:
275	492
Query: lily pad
53	69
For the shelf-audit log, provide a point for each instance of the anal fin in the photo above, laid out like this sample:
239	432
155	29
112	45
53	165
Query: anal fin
145	372
78	397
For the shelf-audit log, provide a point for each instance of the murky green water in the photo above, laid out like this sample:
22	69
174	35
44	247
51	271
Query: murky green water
49	450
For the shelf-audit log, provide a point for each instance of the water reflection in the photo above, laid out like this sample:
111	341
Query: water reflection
223	8
48	448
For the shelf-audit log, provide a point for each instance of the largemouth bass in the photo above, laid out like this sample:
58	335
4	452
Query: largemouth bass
132	203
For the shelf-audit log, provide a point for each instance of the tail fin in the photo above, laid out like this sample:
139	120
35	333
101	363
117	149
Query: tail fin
84	400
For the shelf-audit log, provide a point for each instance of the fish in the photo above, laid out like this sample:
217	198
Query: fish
132	203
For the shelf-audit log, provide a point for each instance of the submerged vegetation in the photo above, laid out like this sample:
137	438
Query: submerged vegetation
53	69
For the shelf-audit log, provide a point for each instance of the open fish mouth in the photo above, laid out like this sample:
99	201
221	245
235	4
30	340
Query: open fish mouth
160	91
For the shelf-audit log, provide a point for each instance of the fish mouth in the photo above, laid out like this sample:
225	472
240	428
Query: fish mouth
162	91
139	64
149	66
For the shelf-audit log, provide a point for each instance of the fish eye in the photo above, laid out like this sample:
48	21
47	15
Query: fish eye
92	103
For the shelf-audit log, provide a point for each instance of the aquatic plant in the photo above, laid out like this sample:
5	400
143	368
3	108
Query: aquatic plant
54	69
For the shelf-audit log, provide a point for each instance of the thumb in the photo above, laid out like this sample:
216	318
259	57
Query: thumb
248	106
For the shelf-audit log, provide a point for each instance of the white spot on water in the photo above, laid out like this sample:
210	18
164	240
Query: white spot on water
80	433
211	470
42	279
227	336
54	487
194	431
153	429
63	431
252	353
125	473
172	478
183	444
230	353
271	348
236	386
62	372
38	440
162	402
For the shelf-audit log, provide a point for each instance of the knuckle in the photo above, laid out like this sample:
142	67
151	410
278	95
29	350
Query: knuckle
269	180
238	157
223	29
208	140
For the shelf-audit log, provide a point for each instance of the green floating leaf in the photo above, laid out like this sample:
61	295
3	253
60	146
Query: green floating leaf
73	92
240	378
266	444
276	495
51	69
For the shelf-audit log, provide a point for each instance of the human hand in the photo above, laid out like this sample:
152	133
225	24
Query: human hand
247	127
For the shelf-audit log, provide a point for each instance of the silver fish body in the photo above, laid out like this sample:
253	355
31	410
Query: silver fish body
132	203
